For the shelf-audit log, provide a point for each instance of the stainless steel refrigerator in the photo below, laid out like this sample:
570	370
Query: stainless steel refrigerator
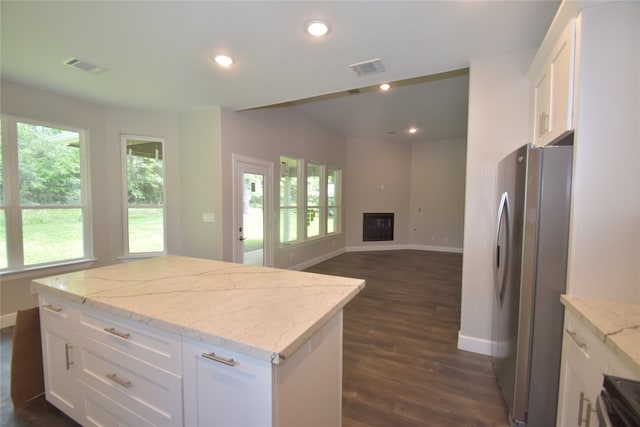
530	265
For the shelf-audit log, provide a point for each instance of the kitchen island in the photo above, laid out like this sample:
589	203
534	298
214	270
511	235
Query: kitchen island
184	341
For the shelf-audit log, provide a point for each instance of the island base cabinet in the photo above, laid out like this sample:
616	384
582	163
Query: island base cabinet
226	389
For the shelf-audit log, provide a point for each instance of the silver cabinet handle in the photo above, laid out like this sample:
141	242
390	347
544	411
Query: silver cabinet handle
68	362
115	379
587	418
574	337
216	358
114	331
53	308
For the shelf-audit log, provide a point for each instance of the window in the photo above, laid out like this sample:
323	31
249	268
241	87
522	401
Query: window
144	215
334	188
315	211
43	199
289	168
315	208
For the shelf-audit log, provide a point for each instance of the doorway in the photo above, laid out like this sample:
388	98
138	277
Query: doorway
252	195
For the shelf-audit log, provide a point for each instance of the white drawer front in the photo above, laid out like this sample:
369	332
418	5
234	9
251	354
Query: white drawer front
152	393
155	346
57	311
101	411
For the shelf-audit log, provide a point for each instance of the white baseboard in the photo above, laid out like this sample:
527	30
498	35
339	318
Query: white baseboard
7	320
400	247
317	260
475	345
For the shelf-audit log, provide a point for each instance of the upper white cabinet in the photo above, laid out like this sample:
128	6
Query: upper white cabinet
553	89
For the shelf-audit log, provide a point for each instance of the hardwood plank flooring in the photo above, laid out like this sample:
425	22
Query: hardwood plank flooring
401	363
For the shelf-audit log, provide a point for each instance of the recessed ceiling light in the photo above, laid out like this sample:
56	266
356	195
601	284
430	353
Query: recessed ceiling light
317	27
223	60
385	86
413	130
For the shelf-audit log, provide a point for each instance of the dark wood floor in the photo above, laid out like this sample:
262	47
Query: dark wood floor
401	363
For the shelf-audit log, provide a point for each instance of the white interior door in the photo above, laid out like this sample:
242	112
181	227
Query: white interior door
252	194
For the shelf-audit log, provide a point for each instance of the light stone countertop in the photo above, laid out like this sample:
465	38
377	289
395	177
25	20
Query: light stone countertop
265	313
614	323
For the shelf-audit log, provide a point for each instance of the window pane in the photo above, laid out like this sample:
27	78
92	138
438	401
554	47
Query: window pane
332	186
3	241
313	185
1	172
145	175
313	222
332	220
52	235
145	195
49	165
288	225
146	229
288	181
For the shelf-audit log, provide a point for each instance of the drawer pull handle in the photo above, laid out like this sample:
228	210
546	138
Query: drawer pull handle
68	362
574	337
589	410
53	308
115	379
216	358
114	331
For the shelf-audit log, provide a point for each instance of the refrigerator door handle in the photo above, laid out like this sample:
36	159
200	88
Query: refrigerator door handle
503	215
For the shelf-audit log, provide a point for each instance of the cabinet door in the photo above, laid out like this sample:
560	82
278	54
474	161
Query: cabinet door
59	355
561	77
224	388
584	361
541	108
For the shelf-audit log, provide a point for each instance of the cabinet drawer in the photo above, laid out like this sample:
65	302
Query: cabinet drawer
101	411
152	393
57	311
159	348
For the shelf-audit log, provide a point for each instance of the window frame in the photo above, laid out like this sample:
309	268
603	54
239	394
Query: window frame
12	208
124	138
337	198
299	202
321	206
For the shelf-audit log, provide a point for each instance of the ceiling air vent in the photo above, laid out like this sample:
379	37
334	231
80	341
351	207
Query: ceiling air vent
368	67
83	65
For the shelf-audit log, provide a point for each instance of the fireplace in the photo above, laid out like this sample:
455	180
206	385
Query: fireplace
377	227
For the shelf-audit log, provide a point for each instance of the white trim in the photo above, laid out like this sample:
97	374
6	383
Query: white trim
7	320
385	247
475	345
317	260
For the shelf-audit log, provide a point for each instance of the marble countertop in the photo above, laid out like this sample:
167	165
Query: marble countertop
265	313
614	323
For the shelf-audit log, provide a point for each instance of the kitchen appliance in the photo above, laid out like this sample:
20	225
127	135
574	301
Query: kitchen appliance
530	264
618	404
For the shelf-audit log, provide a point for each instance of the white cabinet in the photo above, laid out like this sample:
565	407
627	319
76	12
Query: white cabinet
60	355
553	90
226	389
585	359
105	370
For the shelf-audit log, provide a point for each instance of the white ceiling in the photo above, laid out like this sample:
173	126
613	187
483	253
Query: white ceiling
157	55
